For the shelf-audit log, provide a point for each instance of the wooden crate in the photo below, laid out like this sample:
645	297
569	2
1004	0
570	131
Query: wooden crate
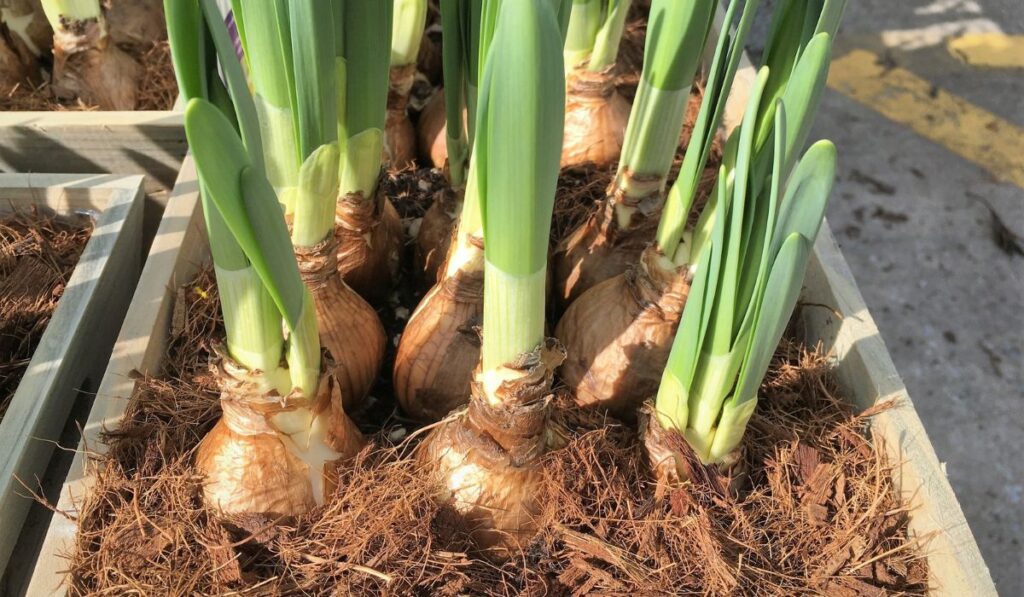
73	351
98	142
840	320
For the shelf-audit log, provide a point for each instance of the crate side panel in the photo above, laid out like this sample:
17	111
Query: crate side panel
834	314
177	254
71	352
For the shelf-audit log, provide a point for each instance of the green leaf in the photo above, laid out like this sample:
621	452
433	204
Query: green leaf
268	50
705	296
453	64
486	24
358	173
831	15
708	299
472	12
563	12
184	31
236	12
682	359
223	248
338	10
726	308
217	94
316	102
761	251
794	24
780	53
519	137
408	22
721	76
676	34
276	265
584	23
802	95
317	195
245	110
807	192
367	43
246	203
781	293
189	42
609	38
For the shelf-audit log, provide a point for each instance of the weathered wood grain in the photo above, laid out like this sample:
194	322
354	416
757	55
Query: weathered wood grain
151	143
178	252
836	316
73	351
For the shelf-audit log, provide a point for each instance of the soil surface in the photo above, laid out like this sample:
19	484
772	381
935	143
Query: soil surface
818	512
37	255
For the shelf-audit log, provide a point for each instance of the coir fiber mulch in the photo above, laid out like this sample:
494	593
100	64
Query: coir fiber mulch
819	513
37	255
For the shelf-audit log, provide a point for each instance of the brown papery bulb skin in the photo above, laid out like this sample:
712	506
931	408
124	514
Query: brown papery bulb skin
429	59
595	119
673	462
600	248
17	65
136	22
431	135
618	336
88	66
435	235
350	330
249	466
487	457
370	239
38	31
440	347
400	138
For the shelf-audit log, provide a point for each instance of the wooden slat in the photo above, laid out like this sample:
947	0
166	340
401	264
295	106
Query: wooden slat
837	317
73	349
176	255
150	143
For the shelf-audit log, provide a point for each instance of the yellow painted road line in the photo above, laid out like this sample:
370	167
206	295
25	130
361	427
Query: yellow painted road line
995	144
992	50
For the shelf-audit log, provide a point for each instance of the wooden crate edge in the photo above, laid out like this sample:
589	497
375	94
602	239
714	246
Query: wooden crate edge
71	350
835	314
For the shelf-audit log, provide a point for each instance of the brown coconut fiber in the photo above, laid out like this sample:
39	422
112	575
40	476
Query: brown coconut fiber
37	255
818	515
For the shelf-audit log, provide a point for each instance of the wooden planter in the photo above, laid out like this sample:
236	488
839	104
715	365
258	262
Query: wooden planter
75	142
839	320
140	142
72	353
